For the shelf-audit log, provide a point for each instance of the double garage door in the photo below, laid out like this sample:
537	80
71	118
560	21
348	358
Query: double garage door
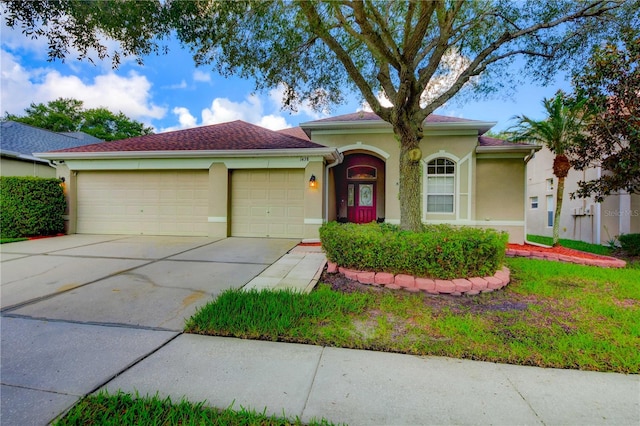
264	203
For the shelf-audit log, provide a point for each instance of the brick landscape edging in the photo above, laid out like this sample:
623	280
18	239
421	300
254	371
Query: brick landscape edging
602	261
456	287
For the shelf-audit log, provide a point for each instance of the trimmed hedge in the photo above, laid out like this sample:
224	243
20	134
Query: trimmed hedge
31	206
630	244
440	251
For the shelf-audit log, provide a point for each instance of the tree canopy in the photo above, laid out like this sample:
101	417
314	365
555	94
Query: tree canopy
69	115
319	51
610	85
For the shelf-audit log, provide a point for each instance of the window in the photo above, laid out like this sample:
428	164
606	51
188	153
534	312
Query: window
440	185
550	184
534	202
550	210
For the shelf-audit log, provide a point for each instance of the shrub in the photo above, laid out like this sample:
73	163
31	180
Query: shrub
630	244
31	207
439	251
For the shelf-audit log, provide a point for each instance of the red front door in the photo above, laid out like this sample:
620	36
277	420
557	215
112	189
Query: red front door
361	203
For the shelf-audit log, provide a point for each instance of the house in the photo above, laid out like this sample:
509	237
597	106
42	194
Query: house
19	141
238	179
580	219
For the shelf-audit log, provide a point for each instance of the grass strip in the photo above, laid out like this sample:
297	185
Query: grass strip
551	315
126	409
572	244
11	240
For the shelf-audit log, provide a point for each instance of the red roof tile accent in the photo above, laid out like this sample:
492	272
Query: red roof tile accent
370	116
294	131
234	135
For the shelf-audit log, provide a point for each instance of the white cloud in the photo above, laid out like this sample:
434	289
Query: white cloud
251	110
223	110
181	85
129	94
201	76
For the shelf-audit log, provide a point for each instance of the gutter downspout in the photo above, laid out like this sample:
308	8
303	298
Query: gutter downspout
326	184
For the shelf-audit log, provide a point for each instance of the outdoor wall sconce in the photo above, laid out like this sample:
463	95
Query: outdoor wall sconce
312	182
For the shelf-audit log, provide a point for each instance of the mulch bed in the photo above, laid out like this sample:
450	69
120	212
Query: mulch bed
558	250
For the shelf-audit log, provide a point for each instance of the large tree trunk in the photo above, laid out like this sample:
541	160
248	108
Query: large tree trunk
410	188
556	216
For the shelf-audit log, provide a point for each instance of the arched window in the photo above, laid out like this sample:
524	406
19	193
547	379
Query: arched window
440	185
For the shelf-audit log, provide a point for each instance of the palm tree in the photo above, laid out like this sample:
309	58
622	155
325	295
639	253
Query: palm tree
564	122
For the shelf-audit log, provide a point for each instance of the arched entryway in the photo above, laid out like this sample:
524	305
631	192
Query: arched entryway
360	188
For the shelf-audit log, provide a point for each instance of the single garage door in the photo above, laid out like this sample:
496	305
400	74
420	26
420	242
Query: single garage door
267	203
143	202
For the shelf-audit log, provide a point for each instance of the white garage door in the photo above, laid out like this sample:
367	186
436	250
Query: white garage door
267	203
143	202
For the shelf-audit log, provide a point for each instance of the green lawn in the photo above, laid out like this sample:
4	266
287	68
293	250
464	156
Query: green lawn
552	315
11	240
572	244
124	409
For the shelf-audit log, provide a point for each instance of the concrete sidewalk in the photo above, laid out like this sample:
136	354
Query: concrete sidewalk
374	388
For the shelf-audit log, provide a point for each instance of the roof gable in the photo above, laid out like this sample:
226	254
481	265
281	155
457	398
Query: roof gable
234	135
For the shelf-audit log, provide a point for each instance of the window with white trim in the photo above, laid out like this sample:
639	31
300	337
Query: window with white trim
440	185
534	202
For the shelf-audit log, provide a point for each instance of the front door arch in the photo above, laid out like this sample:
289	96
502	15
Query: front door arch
360	188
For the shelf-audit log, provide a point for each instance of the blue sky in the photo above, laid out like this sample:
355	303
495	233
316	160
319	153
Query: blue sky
168	92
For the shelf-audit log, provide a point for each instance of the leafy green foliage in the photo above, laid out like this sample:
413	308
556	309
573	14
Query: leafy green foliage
126	409
68	115
31	207
610	84
438	251
318	51
630	244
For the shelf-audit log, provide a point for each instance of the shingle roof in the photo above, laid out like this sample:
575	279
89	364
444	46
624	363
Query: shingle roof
234	135
19	138
370	116
489	141
295	131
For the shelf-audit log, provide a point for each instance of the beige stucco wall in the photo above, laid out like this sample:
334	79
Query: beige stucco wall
581	219
500	191
477	202
11	167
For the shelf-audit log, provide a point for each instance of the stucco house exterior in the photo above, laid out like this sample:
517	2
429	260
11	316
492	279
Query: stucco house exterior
580	219
238	179
19	141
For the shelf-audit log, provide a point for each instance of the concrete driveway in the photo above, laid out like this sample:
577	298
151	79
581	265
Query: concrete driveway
142	281
78	310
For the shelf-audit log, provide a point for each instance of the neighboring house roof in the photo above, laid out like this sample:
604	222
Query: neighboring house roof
21	141
235	138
